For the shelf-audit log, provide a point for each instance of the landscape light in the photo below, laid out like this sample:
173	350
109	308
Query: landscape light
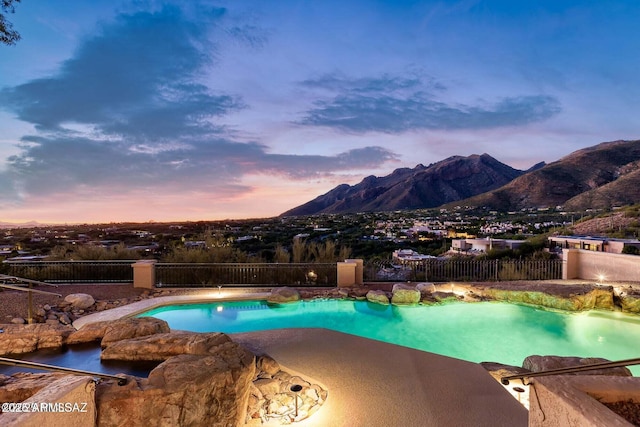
312	276
295	389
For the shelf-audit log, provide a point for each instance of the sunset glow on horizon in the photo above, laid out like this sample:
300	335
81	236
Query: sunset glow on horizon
186	111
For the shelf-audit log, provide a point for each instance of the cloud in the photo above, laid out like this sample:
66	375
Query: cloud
67	164
130	111
316	166
138	73
385	83
394	105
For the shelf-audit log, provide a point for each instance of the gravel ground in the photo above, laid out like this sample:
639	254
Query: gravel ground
15	303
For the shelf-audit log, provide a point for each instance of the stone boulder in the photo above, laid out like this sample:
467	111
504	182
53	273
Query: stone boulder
89	333
538	363
160	347
189	390
80	301
405	294
268	386
426	287
77	393
441	296
378	297
267	365
358	293
283	295
18	339
552	295
111	331
22	385
132	328
630	301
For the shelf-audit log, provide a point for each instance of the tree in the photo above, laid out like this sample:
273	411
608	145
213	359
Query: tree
631	250
8	35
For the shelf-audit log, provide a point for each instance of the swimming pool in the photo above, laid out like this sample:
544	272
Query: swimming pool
477	332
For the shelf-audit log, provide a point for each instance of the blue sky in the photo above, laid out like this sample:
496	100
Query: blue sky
151	110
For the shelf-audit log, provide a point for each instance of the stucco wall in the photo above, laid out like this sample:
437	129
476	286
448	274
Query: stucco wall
590	265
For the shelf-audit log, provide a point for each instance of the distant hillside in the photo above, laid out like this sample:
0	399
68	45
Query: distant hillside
21	224
601	226
623	191
430	186
604	175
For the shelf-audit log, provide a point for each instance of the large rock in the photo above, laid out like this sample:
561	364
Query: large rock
378	297
75	393
426	287
267	386
283	295
188	390
536	363
18	339
132	328
441	296
630	302
160	347
405	294
22	385
562	297
80	301
267	365
111	331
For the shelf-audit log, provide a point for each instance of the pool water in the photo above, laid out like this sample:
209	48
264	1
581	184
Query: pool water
477	332
79	356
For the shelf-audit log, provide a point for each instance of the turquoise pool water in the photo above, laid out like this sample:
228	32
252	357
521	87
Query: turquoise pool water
477	332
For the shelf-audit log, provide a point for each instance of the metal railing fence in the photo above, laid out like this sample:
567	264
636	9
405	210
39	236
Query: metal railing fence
300	274
112	271
464	269
251	274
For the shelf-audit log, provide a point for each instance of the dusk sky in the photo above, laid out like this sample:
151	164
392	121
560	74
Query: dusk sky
197	110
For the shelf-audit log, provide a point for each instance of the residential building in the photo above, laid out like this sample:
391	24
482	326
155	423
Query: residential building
590	243
480	246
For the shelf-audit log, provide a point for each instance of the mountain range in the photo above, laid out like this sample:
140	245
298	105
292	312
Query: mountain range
605	175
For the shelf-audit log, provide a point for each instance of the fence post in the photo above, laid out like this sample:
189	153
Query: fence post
359	278
144	274
346	274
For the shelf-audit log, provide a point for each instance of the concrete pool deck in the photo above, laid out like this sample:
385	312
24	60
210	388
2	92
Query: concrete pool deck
370	383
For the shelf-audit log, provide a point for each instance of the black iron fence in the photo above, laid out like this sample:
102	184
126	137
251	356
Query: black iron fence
112	271
464	270
250	274
270	274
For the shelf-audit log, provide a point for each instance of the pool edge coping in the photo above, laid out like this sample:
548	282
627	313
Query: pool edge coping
138	307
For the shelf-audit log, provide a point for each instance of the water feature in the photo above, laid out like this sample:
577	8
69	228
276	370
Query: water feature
487	331
79	356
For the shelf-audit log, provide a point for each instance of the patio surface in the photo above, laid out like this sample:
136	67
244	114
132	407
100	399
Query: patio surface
370	383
